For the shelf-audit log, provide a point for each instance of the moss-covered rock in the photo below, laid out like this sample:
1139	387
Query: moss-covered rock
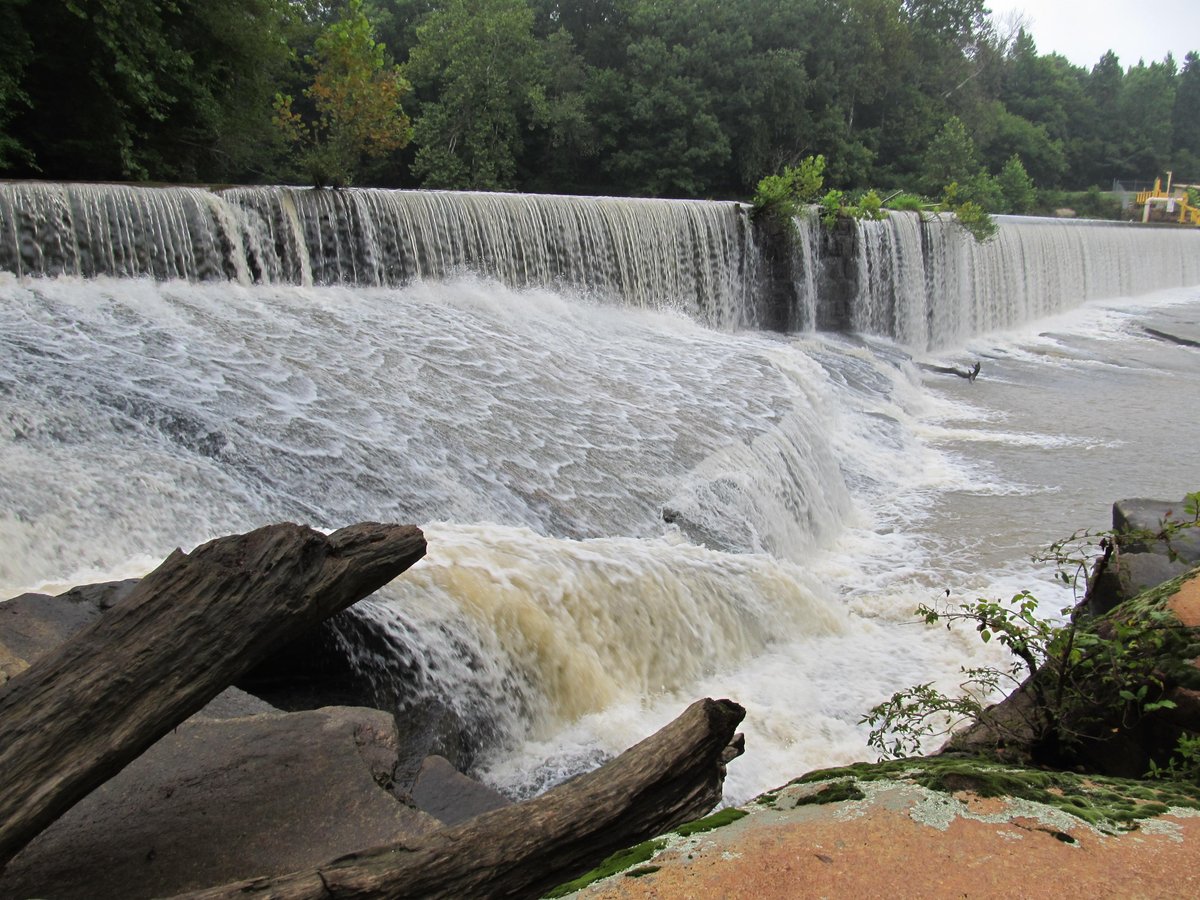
1113	804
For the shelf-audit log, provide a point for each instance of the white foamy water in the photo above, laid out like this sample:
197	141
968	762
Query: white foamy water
626	509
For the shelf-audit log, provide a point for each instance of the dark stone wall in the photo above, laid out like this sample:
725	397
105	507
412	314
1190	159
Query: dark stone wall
782	274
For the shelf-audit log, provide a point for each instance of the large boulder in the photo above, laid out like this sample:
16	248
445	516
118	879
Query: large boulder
242	788
32	624
222	800
450	796
1149	551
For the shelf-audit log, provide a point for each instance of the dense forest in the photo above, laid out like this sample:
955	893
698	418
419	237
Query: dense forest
686	98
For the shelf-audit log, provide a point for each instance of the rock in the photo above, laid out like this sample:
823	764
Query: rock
907	830
232	703
670	778
34	624
1144	562
1098	730
1131	574
217	801
1178	335
450	796
1149	516
351	659
82	712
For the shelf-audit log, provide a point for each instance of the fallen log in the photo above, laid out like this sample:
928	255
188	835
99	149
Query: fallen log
82	712
673	776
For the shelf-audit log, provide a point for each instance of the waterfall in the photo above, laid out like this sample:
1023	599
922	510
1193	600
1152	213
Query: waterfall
927	284
120	231
635	493
691	257
919	280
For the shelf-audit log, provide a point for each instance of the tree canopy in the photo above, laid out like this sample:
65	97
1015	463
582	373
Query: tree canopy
693	98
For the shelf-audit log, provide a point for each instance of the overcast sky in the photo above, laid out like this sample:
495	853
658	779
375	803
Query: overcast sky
1082	30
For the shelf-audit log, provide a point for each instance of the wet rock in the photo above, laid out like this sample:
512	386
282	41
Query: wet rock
450	796
218	801
32	624
1146	557
1150	516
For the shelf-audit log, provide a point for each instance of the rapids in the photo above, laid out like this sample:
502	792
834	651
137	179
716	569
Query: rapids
633	496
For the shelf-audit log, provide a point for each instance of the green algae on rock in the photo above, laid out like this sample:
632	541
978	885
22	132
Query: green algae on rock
618	862
1104	802
708	823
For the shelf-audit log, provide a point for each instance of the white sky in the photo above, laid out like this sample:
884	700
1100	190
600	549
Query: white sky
1082	30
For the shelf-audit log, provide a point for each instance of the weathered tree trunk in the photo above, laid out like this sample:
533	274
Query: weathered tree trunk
673	776
81	713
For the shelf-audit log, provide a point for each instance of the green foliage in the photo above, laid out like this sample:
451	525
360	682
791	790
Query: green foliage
1016	187
1080	674
355	94
904	202
869	206
1112	805
15	54
835	792
950	158
780	197
694	98
479	72
831	207
719	819
969	215
1184	764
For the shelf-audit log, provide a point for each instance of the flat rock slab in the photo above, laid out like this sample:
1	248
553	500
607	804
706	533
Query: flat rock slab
217	801
905	841
450	796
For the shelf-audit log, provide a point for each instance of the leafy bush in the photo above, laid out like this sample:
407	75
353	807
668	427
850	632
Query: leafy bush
904	202
831	207
869	206
781	197
1080	674
1016	187
971	217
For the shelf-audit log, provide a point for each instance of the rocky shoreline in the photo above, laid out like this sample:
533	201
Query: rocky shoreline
245	788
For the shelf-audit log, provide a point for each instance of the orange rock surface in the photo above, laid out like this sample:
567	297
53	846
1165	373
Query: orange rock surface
904	841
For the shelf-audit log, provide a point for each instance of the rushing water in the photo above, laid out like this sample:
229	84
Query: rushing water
630	501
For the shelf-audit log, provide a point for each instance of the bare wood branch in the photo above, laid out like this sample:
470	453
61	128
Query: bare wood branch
84	711
672	777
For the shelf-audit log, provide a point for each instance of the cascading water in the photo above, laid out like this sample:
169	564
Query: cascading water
929	285
627	507
689	256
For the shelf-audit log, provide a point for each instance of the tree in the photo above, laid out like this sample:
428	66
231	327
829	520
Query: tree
950	157
1002	134
1185	118
100	89
15	52
1144	116
1016	187
478	71
355	96
219	127
95	97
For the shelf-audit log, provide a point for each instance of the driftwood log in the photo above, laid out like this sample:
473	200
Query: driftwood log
81	713
673	776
